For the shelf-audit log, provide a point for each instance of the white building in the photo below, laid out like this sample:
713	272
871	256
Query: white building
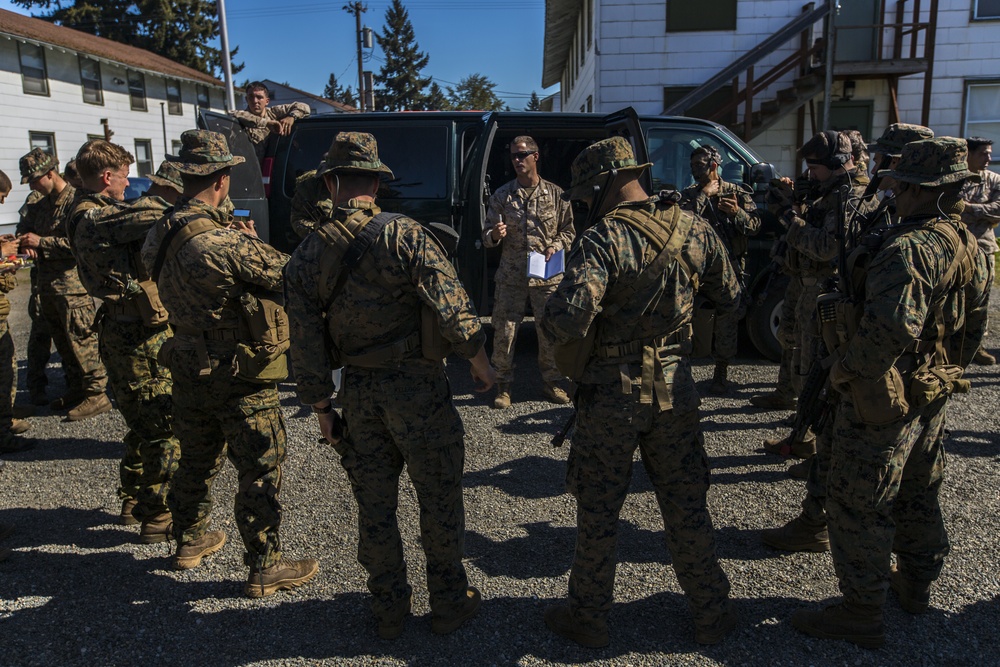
60	86
935	63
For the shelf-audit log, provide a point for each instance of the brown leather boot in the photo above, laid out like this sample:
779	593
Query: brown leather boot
502	401
282	576
797	535
91	406
858	624
442	625
559	619
189	555
157	529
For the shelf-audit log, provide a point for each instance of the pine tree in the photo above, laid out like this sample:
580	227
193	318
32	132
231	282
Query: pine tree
334	91
181	30
436	100
399	85
534	104
475	92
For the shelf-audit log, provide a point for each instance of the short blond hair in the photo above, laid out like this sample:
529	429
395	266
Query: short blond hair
97	155
5	184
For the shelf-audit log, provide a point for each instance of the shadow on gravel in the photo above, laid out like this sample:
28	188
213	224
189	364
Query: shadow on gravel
972	444
84	529
548	421
66	449
529	477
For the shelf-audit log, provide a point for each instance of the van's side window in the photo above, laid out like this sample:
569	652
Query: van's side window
670	153
418	157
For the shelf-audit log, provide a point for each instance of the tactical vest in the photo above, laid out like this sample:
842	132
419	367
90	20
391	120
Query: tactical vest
666	230
347	245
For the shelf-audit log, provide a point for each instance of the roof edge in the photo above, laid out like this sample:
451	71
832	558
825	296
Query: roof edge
560	25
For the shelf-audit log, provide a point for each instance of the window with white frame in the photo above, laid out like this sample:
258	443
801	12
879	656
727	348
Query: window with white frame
137	90
175	147
143	157
986	9
982	110
33	75
90	80
174	107
204	99
44	140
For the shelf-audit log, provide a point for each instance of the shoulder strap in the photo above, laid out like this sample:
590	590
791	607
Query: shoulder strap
347	246
177	236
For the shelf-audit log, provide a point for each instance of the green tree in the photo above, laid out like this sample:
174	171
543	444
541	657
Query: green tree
399	84
436	100
181	30
334	91
534	104
475	92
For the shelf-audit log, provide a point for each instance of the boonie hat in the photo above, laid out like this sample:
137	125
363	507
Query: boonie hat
36	163
168	176
203	153
933	162
898	135
598	159
353	152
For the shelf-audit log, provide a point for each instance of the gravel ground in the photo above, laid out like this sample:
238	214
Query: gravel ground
79	590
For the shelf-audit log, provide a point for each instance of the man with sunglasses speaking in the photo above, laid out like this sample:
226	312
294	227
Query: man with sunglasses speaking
526	215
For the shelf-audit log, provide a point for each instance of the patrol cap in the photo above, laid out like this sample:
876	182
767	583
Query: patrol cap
203	153
353	152
933	163
599	159
898	135
36	163
168	176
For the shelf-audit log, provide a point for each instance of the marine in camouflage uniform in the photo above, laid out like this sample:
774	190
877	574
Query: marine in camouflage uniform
10	428
981	212
397	405
637	391
65	305
39	349
311	205
107	241
525	215
730	209
260	120
923	308
217	413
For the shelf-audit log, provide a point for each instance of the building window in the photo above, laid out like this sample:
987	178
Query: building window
33	77
204	99
986	9
590	103
137	90
143	157
90	79
686	16
590	22
982	110
175	147
174	98
44	140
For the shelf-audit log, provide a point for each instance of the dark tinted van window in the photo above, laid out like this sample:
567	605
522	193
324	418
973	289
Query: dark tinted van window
670	152
418	157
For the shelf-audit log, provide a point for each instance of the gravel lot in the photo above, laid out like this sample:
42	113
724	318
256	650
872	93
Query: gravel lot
79	590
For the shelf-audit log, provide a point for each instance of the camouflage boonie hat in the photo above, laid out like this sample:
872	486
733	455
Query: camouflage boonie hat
933	162
898	135
168	176
598	159
36	163
353	152
203	153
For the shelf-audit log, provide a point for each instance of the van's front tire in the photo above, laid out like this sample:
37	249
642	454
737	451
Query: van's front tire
764	318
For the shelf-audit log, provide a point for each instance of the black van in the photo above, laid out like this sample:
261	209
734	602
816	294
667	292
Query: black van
446	163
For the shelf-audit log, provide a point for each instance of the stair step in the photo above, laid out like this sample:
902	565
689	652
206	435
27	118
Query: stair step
788	95
770	107
808	81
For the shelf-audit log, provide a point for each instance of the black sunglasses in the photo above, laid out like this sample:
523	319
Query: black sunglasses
521	155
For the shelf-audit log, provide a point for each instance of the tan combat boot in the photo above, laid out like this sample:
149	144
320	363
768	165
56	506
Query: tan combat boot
800	449
984	358
555	394
91	406
442	625
559	619
502	401
720	381
797	535
125	517
392	626
19	426
914	596
67	401
189	555
858	624
157	529
282	576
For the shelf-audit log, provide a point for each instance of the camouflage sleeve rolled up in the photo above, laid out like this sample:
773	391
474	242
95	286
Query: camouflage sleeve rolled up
294	110
311	204
898	293
746	221
25	223
307	322
817	240
706	254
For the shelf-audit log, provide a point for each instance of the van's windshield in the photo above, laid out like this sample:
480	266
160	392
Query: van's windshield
670	152
417	156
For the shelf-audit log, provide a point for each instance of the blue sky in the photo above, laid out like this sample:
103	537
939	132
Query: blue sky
302	41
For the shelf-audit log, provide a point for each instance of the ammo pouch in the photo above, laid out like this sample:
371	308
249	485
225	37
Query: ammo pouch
8	281
880	401
262	360
838	319
4	305
151	309
572	357
433	345
703	322
930	384
166	352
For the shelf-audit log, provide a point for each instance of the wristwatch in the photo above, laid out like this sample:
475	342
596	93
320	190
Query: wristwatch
324	411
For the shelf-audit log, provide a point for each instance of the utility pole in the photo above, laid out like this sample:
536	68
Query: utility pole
357	8
227	66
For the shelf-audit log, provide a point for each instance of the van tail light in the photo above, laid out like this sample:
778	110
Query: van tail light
266	167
